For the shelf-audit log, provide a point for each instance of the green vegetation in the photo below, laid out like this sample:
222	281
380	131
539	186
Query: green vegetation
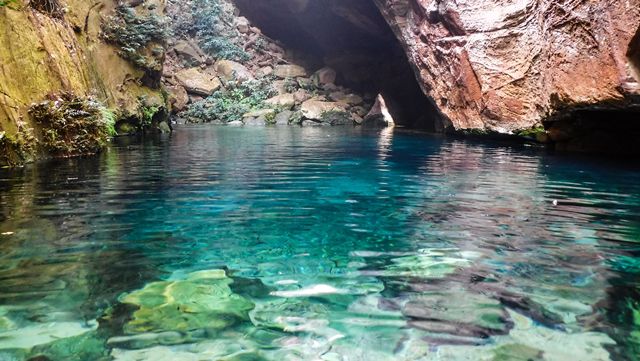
134	34
73	125
7	2
232	103
16	149
532	133
212	24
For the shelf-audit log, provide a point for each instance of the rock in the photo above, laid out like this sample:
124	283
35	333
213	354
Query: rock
231	70
284	100
260	113
305	83
280	86
359	110
314	109
337	118
202	300
258	121
379	114
196	82
477	84
351	99
289	71
164	127
235	123
310	123
283	117
264	71
301	96
458	313
178	98
242	24
323	76
189	52
330	87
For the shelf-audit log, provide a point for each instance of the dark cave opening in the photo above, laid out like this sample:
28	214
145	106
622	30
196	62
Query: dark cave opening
353	38
634	53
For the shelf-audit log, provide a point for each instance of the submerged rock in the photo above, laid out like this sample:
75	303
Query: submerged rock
201	301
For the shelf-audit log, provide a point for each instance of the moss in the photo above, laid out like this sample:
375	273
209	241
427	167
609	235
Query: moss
17	149
532	133
7	2
73	125
135	35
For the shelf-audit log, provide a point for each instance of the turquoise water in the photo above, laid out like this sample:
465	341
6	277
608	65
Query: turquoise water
320	244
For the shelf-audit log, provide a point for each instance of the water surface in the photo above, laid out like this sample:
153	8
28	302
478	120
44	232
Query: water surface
320	244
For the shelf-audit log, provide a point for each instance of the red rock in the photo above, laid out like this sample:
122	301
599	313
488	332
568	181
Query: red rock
508	65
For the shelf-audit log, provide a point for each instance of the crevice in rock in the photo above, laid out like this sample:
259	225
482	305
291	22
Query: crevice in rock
634	53
352	37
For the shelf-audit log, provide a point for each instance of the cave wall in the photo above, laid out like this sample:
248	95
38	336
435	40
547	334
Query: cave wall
352	37
507	65
42	55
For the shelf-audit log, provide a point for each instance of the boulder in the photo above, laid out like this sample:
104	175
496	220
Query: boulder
351	99
283	117
259	117
231	70
178	98
242	24
264	71
196	82
301	96
314	109
379	115
283	100
289	71
323	76
260	113
189	52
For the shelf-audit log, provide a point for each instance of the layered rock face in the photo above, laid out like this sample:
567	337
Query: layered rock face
51	47
508	65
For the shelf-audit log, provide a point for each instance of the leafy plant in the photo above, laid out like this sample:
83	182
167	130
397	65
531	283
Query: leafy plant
232	103
212	24
73	125
133	34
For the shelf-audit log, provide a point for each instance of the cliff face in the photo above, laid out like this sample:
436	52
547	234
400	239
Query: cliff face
51	51
508	65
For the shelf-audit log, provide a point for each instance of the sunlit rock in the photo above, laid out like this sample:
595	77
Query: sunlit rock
201	301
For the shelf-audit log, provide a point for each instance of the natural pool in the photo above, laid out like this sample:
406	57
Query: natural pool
320	244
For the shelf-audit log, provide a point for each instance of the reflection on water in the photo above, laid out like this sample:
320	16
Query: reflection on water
319	244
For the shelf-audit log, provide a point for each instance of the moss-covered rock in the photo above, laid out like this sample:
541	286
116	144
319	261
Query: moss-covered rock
203	300
73	125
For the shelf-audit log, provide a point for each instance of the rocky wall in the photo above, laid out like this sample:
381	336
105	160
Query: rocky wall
42	54
508	65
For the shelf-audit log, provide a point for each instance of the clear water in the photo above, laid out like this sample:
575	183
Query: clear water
320	244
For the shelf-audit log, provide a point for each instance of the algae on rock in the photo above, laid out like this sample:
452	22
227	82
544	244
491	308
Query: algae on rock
203	300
